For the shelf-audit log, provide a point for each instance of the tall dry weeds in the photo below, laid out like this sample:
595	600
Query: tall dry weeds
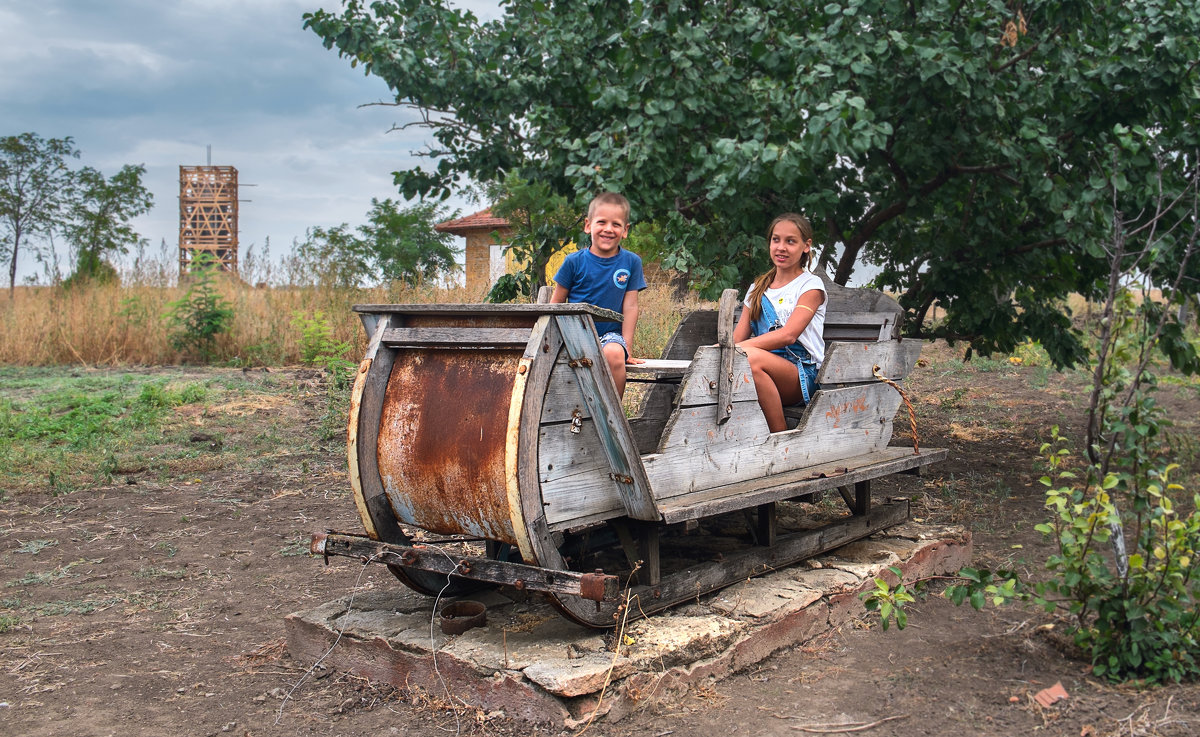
111	325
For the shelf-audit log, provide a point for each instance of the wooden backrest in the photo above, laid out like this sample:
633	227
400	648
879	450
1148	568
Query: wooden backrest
861	315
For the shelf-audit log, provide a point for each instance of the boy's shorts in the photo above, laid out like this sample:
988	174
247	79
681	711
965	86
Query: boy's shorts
614	337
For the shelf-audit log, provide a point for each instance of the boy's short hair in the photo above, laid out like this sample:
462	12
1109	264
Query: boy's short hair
609	198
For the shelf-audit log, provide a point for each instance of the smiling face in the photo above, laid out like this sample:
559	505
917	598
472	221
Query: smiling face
788	246
607	226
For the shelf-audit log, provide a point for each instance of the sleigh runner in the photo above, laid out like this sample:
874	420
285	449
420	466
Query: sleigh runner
501	423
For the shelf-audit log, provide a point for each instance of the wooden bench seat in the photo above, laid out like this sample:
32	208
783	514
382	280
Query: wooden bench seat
804	482
655	369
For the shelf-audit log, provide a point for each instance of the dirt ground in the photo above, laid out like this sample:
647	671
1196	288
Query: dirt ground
154	605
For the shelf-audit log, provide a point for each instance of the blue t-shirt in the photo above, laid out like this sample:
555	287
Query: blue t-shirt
603	282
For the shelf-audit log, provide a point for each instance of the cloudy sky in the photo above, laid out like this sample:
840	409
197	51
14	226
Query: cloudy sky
155	82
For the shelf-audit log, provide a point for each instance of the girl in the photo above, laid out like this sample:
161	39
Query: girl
780	328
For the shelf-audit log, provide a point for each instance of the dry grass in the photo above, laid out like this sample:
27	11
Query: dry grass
109	325
113	326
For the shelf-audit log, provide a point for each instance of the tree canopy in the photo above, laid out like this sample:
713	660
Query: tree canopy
962	147
40	195
34	183
395	244
100	211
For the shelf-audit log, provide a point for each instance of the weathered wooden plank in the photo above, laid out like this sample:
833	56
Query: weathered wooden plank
453	337
697	328
846	317
428	559
652	417
839	423
725	378
766	529
564	400
574	475
524	491
369	322
849	299
700	384
657	368
446	309
809	480
851	362
738	565
599	393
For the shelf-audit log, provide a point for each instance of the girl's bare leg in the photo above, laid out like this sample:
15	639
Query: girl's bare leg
777	381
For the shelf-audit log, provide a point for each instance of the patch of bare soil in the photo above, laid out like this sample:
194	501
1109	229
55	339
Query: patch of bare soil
155	605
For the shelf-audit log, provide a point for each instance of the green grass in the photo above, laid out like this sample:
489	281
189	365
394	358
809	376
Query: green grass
33	547
8	622
64	430
296	547
156	572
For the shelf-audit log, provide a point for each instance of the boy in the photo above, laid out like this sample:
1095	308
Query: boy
607	276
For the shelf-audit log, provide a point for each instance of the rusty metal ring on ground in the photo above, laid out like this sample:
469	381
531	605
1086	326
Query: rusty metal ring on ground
459	616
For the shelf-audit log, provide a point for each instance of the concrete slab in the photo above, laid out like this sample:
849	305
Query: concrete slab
533	664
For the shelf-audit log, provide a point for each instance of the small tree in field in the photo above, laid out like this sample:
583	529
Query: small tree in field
98	217
34	186
1127	564
543	223
195	320
396	243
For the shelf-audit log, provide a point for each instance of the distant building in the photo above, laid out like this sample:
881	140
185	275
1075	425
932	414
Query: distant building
208	215
485	258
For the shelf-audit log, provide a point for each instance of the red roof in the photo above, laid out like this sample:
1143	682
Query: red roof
482	220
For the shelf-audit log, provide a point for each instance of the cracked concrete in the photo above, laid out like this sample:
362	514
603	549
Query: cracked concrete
533	664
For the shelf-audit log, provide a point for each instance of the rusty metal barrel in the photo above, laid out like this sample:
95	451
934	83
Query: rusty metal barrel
443	426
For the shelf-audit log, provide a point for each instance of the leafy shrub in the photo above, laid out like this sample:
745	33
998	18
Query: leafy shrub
195	320
317	343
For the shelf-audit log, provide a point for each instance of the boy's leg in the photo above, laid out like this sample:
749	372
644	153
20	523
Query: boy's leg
612	345
777	382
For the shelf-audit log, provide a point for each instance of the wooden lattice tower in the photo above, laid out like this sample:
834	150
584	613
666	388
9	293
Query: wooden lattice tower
208	215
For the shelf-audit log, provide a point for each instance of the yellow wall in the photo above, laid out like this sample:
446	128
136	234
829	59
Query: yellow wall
512	265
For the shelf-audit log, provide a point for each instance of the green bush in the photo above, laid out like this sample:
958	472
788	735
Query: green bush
317	344
195	320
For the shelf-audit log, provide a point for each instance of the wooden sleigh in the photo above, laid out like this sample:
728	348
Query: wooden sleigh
501	423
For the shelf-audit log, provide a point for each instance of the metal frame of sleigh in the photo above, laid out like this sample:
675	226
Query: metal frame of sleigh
500	423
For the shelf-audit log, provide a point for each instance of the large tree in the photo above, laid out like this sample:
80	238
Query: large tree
961	146
35	183
404	243
99	213
397	243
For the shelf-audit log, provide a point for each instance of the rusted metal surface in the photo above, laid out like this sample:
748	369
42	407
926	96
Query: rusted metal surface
593	586
442	435
597	586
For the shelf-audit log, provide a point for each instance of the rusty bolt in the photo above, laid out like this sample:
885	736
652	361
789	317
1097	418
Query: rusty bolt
464	566
522	369
408	557
519	584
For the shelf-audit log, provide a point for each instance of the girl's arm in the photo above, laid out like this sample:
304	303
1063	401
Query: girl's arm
560	295
806	307
742	331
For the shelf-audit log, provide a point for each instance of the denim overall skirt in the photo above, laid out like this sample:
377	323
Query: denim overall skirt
767	321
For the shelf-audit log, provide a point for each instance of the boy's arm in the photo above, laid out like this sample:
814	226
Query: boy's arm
629	313
560	295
